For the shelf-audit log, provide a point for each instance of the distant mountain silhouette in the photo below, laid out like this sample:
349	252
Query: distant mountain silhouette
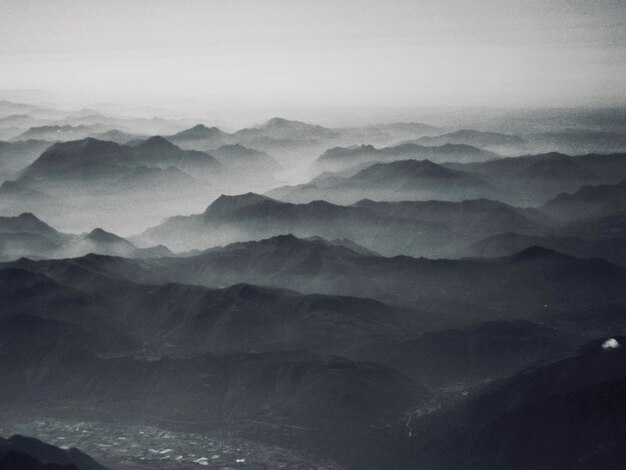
535	179
589	202
241	159
15	156
62	133
475	218
279	128
199	132
398	180
88	158
286	139
485	140
390	133
340	158
200	137
98	166
161	153
26	235
22	121
8	108
277	134
28	223
578	141
252	216
20	192
117	136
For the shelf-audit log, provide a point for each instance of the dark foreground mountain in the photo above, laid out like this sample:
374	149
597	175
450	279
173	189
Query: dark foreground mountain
185	319
355	412
497	287
333	406
489	350
25	453
565	414
556	280
95	332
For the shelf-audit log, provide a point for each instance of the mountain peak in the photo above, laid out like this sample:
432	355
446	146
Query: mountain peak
278	122
406	168
102	236
279	126
533	252
200	131
88	145
29	216
235	147
288	242
25	222
226	205
156	142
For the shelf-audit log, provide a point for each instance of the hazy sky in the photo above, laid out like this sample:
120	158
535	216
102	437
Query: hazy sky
335	53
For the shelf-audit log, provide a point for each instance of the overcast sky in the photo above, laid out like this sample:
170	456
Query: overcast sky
335	53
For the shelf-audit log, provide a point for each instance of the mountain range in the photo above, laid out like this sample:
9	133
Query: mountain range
535	179
493	141
495	288
91	300
398	180
368	296
418	228
342	158
27	236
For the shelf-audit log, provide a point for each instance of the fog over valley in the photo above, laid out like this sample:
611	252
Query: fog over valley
348	235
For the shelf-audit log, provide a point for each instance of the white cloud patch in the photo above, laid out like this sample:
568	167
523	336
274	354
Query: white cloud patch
610	343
